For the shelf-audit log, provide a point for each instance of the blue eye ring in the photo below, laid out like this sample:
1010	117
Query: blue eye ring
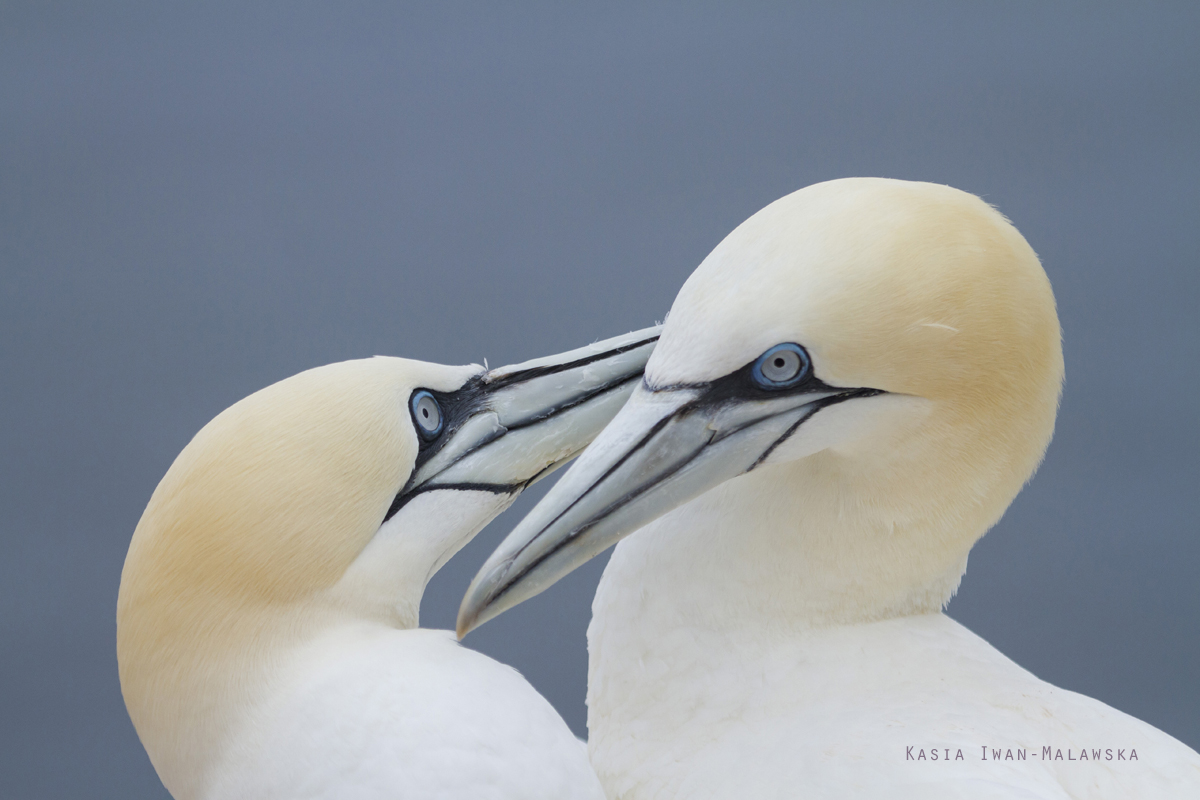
427	414
782	367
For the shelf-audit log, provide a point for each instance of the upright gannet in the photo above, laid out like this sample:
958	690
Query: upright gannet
848	392
267	619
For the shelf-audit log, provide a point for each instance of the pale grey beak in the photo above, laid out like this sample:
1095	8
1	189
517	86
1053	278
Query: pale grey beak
511	426
664	448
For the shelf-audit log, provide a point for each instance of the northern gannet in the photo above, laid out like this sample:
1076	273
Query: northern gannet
267	619
848	392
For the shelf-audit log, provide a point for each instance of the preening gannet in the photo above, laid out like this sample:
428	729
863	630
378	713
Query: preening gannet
848	392
267	619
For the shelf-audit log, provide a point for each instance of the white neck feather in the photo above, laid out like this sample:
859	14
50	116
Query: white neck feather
848	535
782	549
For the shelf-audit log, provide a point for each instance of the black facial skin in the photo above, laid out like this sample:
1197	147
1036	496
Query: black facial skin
740	386
472	397
737	386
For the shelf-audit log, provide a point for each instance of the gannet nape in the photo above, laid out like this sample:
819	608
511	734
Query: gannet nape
847	393
267	619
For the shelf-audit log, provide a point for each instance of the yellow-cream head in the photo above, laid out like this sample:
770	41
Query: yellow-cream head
848	391
329	498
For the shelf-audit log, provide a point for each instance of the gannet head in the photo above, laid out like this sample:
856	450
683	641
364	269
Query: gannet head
331	496
871	368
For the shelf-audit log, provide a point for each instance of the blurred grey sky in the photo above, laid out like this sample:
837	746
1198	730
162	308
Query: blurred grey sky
199	200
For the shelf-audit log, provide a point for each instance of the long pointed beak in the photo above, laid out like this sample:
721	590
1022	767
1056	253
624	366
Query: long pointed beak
512	426
664	448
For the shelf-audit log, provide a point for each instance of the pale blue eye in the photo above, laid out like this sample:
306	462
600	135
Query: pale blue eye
782	366
427	413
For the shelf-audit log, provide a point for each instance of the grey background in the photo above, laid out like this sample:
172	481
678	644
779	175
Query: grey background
196	202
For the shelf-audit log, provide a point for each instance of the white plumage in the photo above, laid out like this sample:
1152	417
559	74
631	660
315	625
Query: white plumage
847	394
369	712
833	712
